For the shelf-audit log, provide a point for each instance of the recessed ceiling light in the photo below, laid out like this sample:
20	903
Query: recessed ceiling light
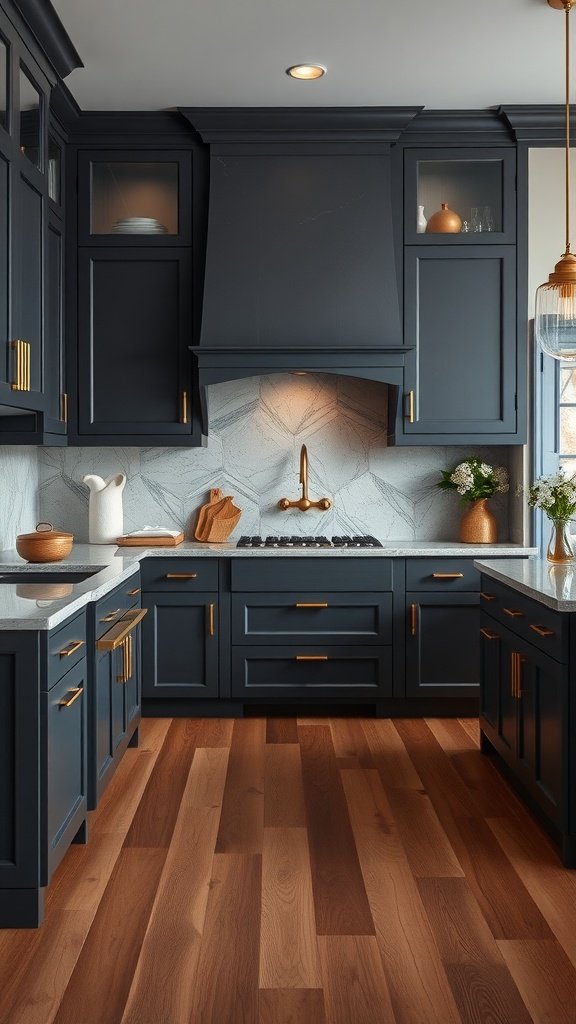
306	72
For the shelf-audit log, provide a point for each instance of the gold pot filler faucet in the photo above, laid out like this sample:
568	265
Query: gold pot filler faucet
304	502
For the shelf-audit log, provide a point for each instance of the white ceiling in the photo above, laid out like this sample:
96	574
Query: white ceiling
154	54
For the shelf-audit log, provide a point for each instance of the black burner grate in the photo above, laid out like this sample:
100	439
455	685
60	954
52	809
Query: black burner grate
354	541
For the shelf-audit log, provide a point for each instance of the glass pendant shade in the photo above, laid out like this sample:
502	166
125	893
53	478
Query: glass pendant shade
555	318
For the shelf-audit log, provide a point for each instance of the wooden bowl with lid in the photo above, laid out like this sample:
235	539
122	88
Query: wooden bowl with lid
44	545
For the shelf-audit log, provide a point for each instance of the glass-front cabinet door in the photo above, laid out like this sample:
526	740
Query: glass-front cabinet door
460	196
136	198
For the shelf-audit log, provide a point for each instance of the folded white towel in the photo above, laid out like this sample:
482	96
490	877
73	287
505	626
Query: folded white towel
154	531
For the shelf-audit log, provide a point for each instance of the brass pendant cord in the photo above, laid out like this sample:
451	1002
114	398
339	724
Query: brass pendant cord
568	5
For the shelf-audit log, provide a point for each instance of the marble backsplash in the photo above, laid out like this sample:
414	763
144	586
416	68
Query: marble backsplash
19	503
256	429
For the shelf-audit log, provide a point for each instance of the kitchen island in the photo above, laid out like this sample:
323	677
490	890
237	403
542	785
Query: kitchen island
527	700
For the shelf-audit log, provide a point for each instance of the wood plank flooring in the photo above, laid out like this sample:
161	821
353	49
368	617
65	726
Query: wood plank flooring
302	871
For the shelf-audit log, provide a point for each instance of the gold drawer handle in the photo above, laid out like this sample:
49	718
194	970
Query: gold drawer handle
115	637
133	592
487	597
489	636
211	626
410	412
447	575
181	575
311	657
413	619
73	695
111	615
71	649
513	613
184	407
64	407
311	604
542	630
127	659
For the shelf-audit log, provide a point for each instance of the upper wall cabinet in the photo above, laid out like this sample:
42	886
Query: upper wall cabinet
464	329
135	198
478	185
31	250
135	309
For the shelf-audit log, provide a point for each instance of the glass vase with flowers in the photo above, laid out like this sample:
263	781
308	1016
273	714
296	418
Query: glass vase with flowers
556	496
475	481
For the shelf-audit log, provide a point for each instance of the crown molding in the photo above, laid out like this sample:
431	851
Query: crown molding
300	124
539	123
459	127
50	34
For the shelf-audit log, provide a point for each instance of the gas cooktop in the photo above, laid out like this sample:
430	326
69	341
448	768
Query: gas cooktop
355	541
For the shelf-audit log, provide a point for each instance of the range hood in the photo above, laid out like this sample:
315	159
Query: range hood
301	268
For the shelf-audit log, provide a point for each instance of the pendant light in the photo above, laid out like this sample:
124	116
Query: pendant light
555	315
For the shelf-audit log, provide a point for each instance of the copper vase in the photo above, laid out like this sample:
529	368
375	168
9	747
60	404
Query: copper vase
444	221
478	524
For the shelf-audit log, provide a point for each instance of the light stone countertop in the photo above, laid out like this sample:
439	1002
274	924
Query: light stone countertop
552	585
21	608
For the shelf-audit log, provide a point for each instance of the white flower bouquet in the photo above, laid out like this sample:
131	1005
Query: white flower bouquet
555	495
474	479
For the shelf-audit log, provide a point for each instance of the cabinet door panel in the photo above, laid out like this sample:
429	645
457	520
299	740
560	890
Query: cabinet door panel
460	315
442	645
542	713
5	356
29	325
297	618
134	329
66	763
53	331
180	650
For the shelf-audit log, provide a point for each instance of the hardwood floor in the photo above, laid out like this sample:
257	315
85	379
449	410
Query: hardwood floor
302	871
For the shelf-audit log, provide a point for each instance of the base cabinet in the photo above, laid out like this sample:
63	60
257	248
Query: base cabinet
43	732
442	647
525	710
115	697
180	645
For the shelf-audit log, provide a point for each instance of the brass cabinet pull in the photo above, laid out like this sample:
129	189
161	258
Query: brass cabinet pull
513	668
513	613
489	636
181	575
311	604
133	592
115	637
447	575
27	364
126	673
74	646
413	619
111	615
541	630
73	695
64	407
184	407
311	657
211	625
519	690
21	350
487	597
410	412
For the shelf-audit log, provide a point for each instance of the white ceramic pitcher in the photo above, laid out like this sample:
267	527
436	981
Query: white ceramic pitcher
105	517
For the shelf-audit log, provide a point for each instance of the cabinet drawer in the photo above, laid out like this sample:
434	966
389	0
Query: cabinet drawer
441	574
331	672
64	713
65	648
541	626
311	574
179	574
316	617
111	607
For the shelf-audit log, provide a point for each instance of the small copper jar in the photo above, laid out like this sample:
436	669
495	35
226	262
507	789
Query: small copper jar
444	221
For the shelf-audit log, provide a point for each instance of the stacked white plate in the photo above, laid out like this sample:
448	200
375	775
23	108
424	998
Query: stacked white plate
139	226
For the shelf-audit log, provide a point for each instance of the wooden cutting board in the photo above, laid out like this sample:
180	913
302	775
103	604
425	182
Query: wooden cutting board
149	542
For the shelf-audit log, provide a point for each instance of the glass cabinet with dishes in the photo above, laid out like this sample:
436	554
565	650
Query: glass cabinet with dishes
135	198
135	298
459	196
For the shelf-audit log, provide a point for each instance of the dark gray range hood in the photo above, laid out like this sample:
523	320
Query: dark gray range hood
301	258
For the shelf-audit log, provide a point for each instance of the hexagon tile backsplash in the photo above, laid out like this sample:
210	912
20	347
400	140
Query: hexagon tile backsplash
257	427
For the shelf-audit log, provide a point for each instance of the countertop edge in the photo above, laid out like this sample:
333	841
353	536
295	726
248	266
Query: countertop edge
551	585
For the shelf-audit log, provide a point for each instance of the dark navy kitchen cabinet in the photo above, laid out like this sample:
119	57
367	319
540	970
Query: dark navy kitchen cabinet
115	696
525	708
43	750
181	636
442	620
464	331
135	284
